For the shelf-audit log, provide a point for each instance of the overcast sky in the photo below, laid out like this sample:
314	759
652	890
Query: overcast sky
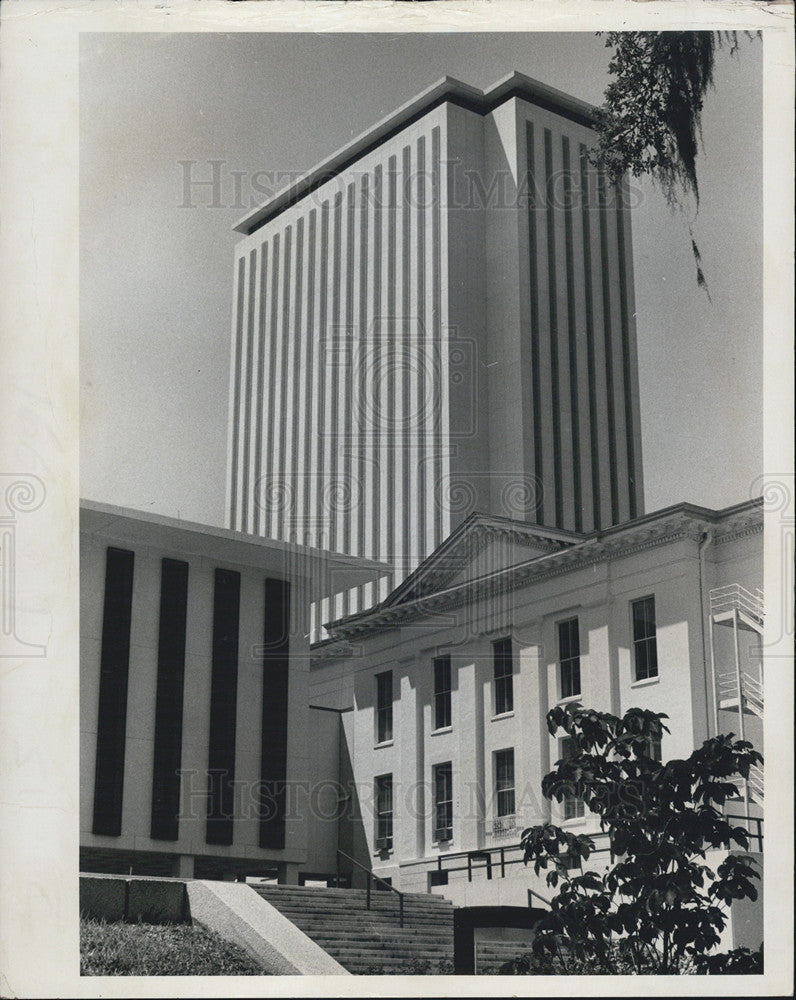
156	273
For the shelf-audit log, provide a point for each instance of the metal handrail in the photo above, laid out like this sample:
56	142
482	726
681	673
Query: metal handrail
751	687
736	596
533	892
496	854
756	779
372	877
728	683
758	822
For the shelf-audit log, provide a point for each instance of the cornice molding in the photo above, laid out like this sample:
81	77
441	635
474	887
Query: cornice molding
740	527
514	578
678	525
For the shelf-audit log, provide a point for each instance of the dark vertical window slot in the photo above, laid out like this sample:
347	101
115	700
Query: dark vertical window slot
586	210
112	713
574	394
535	349
223	705
169	700
552	293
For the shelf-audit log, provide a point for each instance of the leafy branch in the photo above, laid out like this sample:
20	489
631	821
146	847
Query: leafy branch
658	906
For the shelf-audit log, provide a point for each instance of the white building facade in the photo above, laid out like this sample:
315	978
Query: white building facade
449	682
436	320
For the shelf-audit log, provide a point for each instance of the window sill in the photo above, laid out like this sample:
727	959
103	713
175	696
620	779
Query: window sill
570	699
645	681
503	715
442	731
574	822
386	743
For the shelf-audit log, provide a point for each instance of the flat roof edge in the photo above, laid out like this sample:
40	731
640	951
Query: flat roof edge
447	89
103	514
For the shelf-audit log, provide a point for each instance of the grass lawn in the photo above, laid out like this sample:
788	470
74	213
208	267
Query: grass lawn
159	950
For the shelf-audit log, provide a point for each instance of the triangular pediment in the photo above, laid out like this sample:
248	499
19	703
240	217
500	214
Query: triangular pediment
482	545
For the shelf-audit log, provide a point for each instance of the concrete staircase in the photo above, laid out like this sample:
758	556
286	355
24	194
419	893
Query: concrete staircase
368	941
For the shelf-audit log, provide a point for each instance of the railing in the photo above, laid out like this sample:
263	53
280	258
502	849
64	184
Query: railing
370	879
497	858
756	780
500	856
757	834
751	687
727	684
735	596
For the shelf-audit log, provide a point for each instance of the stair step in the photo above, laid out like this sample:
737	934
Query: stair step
358	920
375	942
356	898
377	908
377	902
363	939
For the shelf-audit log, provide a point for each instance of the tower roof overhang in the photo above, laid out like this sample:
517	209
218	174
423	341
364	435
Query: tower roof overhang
448	89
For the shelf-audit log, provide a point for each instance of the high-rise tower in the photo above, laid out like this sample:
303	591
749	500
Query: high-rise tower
437	319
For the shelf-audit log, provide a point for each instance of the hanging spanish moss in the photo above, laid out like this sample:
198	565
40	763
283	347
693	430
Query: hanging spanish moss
651	121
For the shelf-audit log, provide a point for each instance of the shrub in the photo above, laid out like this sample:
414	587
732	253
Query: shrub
658	907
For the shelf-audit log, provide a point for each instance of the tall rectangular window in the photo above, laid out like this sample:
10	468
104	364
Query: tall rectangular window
645	647
223	708
442	692
112	712
504	679
167	755
384	812
443	801
572	803
569	658
504	782
384	707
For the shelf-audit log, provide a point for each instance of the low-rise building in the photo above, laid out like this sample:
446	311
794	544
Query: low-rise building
198	748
